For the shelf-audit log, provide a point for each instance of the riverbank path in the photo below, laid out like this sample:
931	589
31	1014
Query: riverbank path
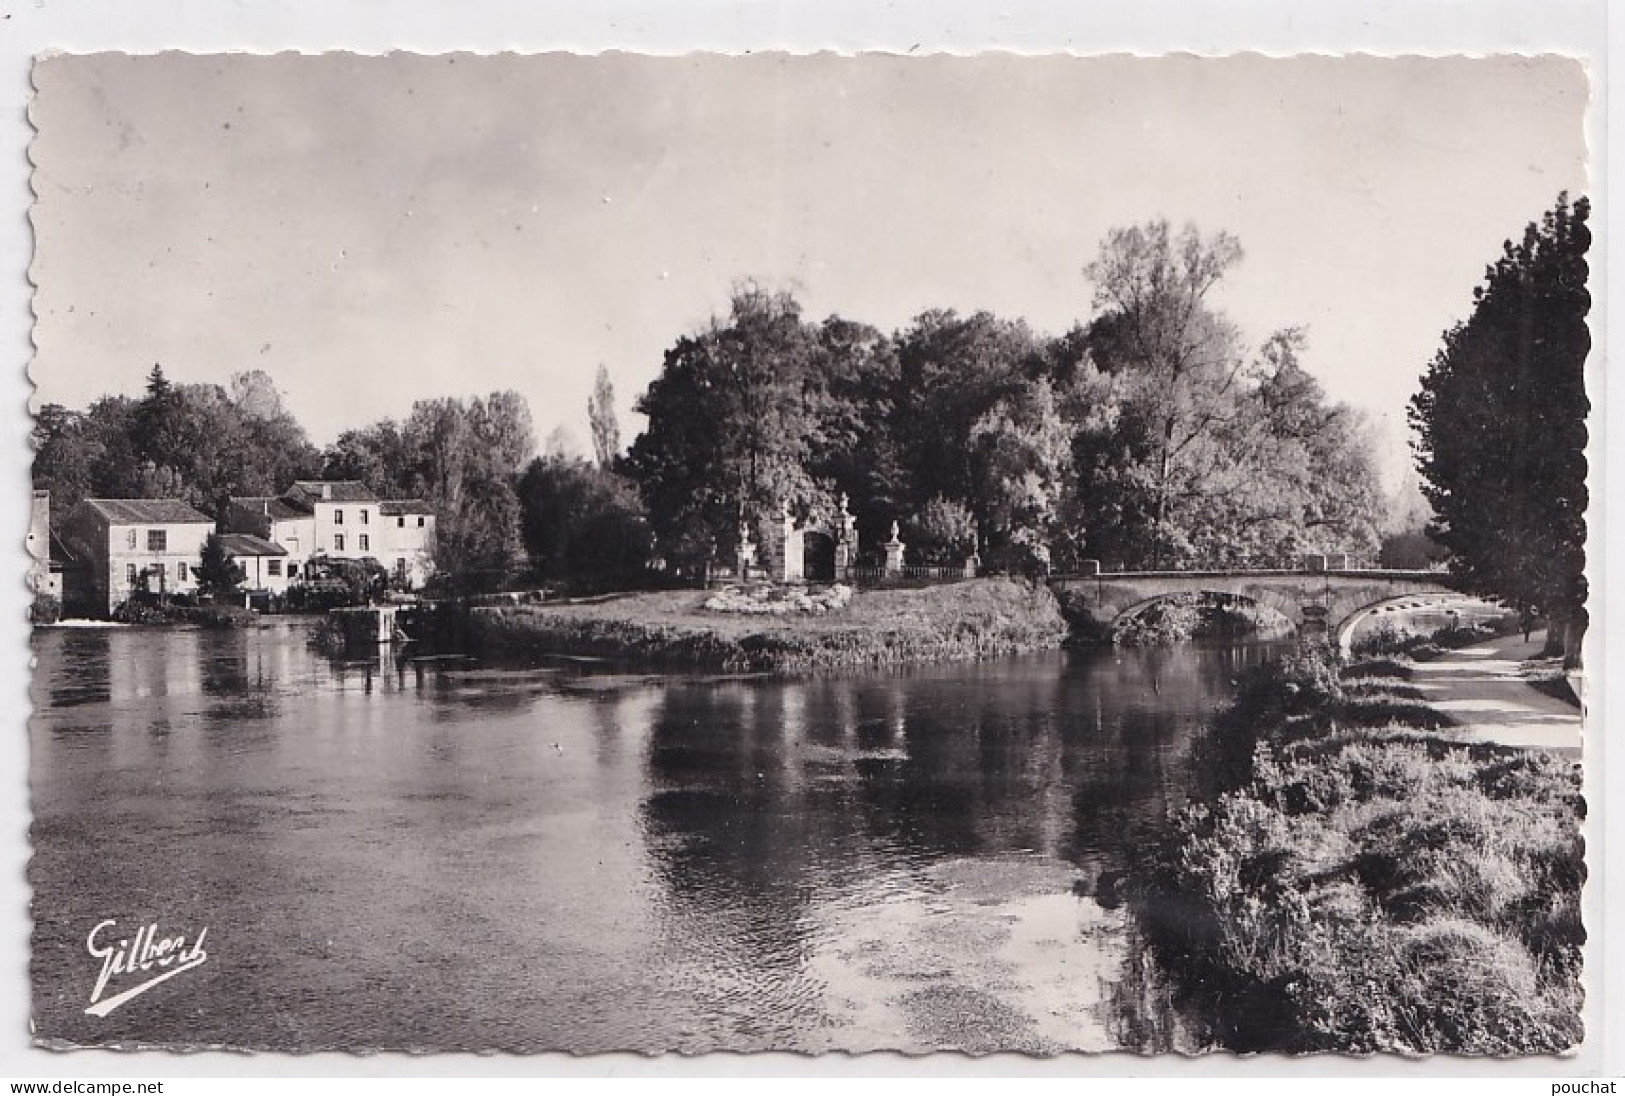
1483	689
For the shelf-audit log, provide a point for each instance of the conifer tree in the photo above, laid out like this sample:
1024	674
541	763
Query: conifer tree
1500	426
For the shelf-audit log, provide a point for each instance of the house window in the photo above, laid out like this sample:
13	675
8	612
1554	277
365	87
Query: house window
157	540
338	517
130	540
180	572
129	572
293	569
338	542
420	523
361	542
364	515
400	523
273	567
400	569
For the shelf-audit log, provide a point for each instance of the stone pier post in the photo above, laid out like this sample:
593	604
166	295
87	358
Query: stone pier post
894	554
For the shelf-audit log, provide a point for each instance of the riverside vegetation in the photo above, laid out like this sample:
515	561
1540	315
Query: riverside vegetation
1361	882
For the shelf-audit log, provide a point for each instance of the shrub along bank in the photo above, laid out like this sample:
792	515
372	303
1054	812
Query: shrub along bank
152	612
981	618
1361	883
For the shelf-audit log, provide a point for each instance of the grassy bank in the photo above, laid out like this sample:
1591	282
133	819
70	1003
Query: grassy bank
976	619
1363	883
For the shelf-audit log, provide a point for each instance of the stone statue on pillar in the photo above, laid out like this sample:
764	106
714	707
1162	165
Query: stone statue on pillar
845	535
894	552
791	563
746	552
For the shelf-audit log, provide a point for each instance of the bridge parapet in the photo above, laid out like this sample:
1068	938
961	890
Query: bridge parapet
1296	572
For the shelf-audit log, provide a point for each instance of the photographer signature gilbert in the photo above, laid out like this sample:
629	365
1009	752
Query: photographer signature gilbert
168	956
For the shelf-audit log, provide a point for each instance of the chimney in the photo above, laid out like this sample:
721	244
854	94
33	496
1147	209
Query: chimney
327	490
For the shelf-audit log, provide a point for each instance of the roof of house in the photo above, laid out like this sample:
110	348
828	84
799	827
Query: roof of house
397	507
247	544
277	509
148	512
337	491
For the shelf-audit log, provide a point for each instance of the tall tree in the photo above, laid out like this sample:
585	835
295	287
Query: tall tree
218	573
953	370
65	457
1181	357
851	396
275	448
159	430
1022	461
255	395
377	456
464	458
606	431
1292	472
502	424
582	522
732	427
1500	425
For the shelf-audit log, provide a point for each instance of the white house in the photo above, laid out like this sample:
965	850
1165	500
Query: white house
407	536
276	520
264	563
338	519
125	546
345	518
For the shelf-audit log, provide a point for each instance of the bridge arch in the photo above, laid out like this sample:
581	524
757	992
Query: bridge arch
1344	632
1217	597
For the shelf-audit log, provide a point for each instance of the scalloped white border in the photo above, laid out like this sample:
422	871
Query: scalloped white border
1577	28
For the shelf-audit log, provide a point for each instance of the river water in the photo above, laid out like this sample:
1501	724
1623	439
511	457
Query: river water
446	855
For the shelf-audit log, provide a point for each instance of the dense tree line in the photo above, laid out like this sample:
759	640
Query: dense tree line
1501	426
195	442
1150	436
203	443
460	456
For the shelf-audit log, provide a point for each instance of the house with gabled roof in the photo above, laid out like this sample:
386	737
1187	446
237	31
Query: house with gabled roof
339	519
128	546
264	562
278	521
346	519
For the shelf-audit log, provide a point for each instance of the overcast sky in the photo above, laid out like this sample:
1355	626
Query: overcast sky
375	230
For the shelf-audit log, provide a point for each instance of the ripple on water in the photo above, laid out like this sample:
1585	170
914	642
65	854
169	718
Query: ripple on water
980	956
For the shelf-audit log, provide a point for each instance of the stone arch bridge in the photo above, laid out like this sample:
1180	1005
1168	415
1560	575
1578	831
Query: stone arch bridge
1328	602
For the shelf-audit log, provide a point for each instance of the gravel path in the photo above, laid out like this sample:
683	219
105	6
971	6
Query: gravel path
1482	689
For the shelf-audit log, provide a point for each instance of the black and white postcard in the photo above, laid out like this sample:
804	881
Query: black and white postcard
811	552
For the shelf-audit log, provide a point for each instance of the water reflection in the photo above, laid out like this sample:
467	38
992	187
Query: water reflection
452	855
